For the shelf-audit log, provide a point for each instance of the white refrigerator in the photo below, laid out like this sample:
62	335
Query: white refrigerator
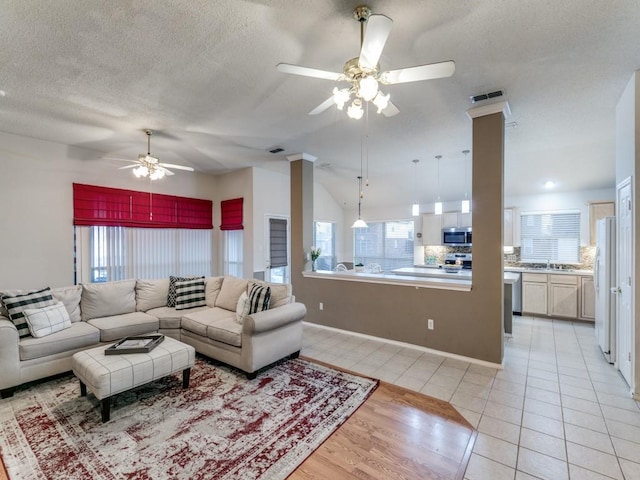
604	278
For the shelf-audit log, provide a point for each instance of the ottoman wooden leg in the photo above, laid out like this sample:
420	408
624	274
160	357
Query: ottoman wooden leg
186	375
105	404
83	389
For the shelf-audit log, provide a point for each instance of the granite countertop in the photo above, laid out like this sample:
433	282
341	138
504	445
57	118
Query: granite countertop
509	277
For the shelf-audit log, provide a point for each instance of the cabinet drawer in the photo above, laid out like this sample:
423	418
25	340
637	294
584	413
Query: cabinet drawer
534	277
565	279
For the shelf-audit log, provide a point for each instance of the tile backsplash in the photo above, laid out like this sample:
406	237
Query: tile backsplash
434	255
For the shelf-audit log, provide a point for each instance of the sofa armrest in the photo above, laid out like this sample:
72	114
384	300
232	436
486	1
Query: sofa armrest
9	354
274	318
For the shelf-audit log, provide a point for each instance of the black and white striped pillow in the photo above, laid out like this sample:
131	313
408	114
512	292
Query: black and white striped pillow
259	297
190	294
171	296
16	304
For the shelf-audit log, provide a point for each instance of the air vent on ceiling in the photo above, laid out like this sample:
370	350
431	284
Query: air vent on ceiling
486	96
276	150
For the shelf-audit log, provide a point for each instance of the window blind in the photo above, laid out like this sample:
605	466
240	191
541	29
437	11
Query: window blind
231	211
278	242
553	237
104	206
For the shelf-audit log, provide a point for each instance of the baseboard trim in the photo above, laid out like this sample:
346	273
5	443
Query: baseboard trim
455	356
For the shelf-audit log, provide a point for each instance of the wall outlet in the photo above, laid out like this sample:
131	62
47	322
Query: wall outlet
321	306
430	324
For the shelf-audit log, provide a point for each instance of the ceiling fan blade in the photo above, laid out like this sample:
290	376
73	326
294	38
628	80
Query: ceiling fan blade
129	166
166	172
177	167
309	72
118	159
391	110
323	106
378	29
418	73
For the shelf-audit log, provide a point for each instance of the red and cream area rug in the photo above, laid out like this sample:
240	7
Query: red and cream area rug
222	427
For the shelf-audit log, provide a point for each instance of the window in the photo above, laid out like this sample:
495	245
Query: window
118	253
553	237
389	244
324	238
233	253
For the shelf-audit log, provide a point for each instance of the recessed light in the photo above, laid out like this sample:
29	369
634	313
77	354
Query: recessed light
549	184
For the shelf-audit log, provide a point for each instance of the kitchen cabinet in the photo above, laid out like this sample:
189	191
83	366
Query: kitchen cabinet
534	293
587	299
563	296
456	219
598	210
431	229
511	238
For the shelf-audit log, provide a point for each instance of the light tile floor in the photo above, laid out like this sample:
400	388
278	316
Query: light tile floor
556	411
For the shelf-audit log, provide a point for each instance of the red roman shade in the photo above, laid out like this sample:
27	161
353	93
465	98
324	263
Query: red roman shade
231	214
93	205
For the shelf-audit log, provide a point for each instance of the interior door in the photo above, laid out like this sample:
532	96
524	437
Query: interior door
624	301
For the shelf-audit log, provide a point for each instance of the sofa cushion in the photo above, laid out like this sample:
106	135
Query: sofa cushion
226	331
78	335
230	292
119	326
212	286
16	304
190	294
151	294
169	317
198	322
47	320
281	293
71	297
108	299
171	295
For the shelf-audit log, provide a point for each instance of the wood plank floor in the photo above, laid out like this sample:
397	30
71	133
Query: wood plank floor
395	434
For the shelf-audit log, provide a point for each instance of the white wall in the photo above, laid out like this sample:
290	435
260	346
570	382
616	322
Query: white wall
326	209
563	201
271	198
36	205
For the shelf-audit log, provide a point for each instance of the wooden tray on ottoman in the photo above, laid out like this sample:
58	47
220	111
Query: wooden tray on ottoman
137	344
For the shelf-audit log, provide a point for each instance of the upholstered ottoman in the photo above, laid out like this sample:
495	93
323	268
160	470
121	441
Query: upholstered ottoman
107	375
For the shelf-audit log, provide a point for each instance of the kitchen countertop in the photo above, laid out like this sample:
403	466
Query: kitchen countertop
509	277
553	271
417	281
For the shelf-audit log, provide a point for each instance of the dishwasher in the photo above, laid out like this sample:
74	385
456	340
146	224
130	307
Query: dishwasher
516	295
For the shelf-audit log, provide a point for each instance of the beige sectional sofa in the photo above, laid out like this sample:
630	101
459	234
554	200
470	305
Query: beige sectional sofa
102	313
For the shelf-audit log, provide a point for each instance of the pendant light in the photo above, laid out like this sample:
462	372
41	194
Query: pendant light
466	204
359	223
415	208
438	204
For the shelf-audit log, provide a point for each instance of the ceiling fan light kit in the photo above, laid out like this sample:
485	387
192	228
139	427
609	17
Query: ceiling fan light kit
363	73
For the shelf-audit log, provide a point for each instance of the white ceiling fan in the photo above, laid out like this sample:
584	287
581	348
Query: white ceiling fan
363	73
148	165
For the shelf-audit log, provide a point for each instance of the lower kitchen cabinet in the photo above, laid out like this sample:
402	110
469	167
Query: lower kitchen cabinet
563	296
558	295
534	293
587	299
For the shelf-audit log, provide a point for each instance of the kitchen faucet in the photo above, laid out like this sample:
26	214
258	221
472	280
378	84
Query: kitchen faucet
548	264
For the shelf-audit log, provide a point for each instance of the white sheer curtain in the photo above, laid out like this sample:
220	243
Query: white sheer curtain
121	252
233	253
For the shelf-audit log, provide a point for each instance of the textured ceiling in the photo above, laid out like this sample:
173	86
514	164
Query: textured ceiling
202	74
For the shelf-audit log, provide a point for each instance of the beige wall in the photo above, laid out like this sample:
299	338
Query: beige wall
466	323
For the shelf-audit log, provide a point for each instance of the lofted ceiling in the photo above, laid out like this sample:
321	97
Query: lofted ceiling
202	74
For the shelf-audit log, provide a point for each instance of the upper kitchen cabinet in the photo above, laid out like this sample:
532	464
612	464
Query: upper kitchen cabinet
598	210
431	229
511	237
455	219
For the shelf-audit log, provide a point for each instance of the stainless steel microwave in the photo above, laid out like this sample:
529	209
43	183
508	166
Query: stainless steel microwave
456	237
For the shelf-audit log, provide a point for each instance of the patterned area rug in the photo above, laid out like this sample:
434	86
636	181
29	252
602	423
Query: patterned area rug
222	427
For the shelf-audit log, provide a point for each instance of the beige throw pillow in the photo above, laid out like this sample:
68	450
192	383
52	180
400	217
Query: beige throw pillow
230	292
